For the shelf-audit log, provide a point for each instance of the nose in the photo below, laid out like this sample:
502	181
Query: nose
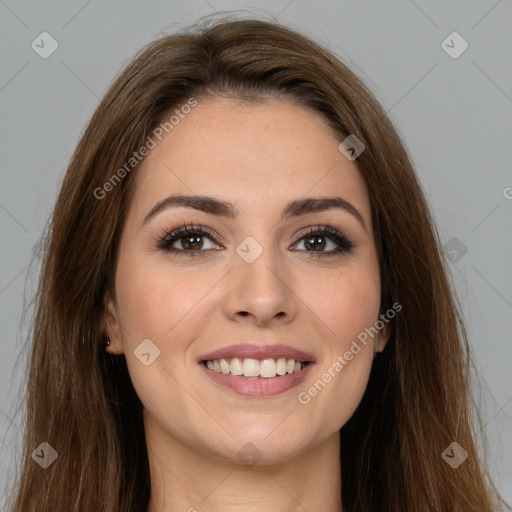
261	292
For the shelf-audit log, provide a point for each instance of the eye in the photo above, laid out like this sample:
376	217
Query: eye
317	239
189	237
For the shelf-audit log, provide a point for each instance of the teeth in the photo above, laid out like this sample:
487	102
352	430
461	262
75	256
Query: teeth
281	366
236	367
251	368
268	368
248	367
224	366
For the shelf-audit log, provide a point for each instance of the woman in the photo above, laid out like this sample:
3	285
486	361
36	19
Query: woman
243	303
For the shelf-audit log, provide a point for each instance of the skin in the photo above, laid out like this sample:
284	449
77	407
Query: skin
259	157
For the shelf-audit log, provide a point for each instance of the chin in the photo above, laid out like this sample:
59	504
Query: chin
263	448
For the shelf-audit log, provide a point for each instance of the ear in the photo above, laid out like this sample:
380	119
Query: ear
383	337
109	324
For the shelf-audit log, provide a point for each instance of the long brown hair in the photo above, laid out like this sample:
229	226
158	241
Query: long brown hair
80	399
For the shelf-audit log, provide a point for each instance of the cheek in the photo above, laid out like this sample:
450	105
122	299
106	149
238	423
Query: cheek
156	302
346	310
347	304
162	306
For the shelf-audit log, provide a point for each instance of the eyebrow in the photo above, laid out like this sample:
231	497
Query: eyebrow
215	206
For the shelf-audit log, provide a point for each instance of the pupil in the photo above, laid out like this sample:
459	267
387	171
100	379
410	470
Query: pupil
195	241
313	245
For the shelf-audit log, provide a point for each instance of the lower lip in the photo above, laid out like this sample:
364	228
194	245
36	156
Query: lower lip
256	386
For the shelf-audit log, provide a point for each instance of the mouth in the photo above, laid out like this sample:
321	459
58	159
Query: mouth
258	371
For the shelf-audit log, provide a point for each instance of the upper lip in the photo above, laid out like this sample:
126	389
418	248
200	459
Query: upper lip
258	351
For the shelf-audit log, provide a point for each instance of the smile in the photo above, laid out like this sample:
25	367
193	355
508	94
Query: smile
257	379
249	367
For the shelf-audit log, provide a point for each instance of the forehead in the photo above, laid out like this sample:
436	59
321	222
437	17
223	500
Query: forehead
257	155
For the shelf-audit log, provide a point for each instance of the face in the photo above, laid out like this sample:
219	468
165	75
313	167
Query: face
266	275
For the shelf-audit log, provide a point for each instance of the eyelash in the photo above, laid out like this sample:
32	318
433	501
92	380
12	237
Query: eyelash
167	238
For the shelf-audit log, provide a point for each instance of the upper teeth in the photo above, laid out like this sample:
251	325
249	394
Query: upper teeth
248	367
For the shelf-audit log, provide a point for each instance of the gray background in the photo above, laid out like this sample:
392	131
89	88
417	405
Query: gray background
454	115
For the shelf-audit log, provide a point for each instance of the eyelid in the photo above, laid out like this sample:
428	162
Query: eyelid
167	233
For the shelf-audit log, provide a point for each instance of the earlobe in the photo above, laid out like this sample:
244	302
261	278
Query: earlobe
109	349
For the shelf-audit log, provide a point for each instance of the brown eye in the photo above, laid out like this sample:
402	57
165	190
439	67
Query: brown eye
192	241
318	241
187	240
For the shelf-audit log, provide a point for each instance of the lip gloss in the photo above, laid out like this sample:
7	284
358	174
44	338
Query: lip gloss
257	386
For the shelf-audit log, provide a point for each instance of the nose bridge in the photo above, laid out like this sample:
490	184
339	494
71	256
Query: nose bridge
260	280
260	262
